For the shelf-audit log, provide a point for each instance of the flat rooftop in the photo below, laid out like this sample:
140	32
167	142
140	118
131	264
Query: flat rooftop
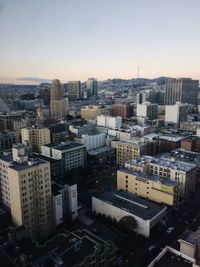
21	166
131	203
170	138
68	145
67	249
170	259
155	178
65	146
163	161
191	237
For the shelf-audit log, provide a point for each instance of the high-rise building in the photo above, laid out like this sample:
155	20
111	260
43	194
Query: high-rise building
74	90
184	90
37	137
58	104
176	113
123	110
147	110
91	87
26	191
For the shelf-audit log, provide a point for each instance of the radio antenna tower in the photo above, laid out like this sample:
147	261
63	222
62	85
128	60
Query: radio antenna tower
138	72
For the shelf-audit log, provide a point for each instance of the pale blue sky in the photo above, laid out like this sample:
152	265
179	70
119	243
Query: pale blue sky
77	39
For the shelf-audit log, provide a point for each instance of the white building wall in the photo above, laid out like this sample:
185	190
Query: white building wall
109	122
72	200
176	113
93	141
57	209
101	207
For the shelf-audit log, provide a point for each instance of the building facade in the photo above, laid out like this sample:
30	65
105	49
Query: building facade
184	90
26	191
93	141
58	105
91	112
72	154
92	87
37	137
176	113
74	90
147	110
127	150
147	186
109	122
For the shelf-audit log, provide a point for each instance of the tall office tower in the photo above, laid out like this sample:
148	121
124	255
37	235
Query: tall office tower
37	137
26	191
91	87
58	103
184	90
74	90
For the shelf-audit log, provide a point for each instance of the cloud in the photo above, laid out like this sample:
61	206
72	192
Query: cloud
34	79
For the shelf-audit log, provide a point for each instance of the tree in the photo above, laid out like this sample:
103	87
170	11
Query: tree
128	223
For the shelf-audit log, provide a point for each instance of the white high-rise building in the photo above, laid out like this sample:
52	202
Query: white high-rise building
147	110
176	113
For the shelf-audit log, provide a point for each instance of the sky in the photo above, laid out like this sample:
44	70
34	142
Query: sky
76	39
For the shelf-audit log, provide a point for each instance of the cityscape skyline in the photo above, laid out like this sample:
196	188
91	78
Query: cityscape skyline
76	40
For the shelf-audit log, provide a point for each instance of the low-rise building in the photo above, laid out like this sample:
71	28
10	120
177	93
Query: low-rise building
148	186
182	172
171	257
117	205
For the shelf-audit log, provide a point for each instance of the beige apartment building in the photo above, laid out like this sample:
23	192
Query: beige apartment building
164	168
28	191
150	187
91	112
37	137
127	150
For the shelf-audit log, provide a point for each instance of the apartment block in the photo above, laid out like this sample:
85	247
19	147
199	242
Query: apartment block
147	110
26	191
127	150
37	137
165	168
91	112
109	122
176	113
72	154
93	141
148	186
123	110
